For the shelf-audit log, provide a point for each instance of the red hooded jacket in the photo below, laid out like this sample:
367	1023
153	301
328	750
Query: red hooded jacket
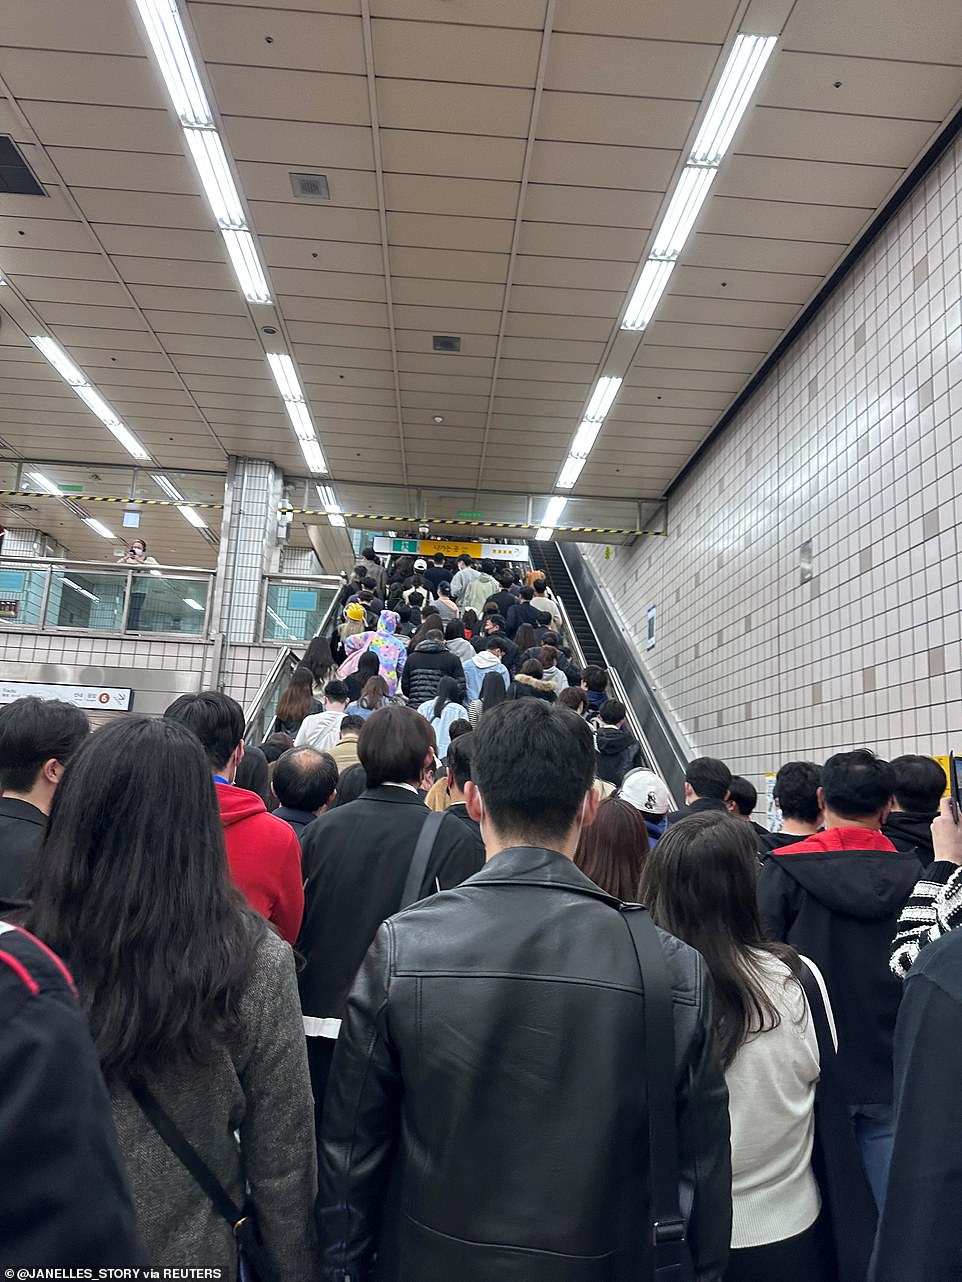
264	857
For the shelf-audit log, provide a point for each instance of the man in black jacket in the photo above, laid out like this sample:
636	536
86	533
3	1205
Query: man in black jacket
426	665
919	783
796	796
836	897
523	612
504	600
617	749
706	788
305	783
37	739
355	862
493	626
491	1067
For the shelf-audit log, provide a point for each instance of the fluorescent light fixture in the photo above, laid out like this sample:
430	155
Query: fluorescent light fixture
300	418
59	359
570	472
544	534
98	527
313	455
69	583
651	285
211	161
194	605
247	266
746	62
555	506
331	506
68	371
604	394
285	376
167	485
192	517
682	211
45	483
585	438
167	37
336	519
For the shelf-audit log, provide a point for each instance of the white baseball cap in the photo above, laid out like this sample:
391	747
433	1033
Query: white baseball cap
420	564
645	791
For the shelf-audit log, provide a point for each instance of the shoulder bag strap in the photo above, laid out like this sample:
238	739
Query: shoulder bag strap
184	1151
419	860
669	1229
827	1053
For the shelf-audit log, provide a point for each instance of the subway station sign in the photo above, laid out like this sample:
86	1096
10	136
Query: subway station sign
96	698
452	548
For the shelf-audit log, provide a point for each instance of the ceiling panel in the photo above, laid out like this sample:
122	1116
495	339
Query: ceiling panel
147	304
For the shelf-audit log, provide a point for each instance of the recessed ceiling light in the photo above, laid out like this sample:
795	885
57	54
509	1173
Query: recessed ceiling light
168	39
553	509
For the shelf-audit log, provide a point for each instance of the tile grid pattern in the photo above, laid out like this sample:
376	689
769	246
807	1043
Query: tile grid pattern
849	446
249	539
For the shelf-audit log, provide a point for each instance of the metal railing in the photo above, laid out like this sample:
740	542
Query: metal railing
60	595
295	607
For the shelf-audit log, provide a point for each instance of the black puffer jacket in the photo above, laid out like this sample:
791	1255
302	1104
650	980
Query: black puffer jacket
616	751
490	1072
424	669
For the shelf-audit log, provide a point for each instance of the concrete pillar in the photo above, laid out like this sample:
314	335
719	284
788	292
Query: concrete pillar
299	561
249	547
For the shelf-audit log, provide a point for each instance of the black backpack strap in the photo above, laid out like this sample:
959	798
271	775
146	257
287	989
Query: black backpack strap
419	860
668	1228
827	1053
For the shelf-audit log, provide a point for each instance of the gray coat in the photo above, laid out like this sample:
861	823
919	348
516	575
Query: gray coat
257	1086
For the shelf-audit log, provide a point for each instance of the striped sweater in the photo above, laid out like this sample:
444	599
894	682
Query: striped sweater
933	909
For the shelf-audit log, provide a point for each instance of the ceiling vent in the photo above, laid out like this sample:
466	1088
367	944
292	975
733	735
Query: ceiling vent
446	343
311	186
16	176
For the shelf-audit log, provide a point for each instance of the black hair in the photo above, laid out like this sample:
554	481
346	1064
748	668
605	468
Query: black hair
469	618
304	778
506	580
393	745
551	638
744	794
856	785
495	642
612	711
351	723
612	850
493	691
532	668
429	623
537	806
466	558
254	775
457	728
337	691
708	777
919	783
488	567
438	558
215	718
525	638
595	678
275	745
575	698
796	790
527	593
295	703
433	634
318	658
699	884
460	757
453	630
370	555
444	588
350	785
544	618
539	586
416	600
497	620
33	731
368	665
136	892
448	692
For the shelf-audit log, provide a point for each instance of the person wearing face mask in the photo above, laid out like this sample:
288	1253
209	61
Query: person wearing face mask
136	554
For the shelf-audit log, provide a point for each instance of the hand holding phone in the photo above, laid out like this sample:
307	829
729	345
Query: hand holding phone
955	793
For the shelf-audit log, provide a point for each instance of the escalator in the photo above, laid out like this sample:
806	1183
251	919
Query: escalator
597	638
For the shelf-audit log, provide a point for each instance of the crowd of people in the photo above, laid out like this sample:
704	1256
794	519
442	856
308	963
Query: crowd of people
377	999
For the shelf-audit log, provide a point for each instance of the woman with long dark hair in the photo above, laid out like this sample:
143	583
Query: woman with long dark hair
319	661
469	619
430	623
297	702
367	666
374	695
188	993
612	851
699	883
493	692
524	639
530	684
443	711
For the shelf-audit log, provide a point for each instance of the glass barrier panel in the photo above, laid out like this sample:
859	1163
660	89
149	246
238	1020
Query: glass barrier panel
21	597
162	602
81	598
295	611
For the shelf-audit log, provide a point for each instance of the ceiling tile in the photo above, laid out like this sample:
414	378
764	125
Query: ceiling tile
299	40
448	155
823	135
866	86
441	231
300	143
570	240
435	106
641	169
696	20
609	65
877	29
448	51
621	121
87	77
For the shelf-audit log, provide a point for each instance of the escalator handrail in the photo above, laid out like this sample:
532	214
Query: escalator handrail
614	680
284	665
677	761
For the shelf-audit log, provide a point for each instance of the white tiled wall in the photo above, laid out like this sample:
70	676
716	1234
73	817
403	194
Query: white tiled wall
849	444
245	667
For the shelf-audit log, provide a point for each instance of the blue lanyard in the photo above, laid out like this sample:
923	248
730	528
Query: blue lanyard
221	779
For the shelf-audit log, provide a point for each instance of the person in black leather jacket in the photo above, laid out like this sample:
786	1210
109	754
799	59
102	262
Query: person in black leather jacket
486	1116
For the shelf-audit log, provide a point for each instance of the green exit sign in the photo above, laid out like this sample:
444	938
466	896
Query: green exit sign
405	545
471	516
72	489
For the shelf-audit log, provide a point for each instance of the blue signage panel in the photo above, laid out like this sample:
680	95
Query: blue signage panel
302	599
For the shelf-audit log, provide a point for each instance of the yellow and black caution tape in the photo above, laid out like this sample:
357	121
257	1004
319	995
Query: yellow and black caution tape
431	521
